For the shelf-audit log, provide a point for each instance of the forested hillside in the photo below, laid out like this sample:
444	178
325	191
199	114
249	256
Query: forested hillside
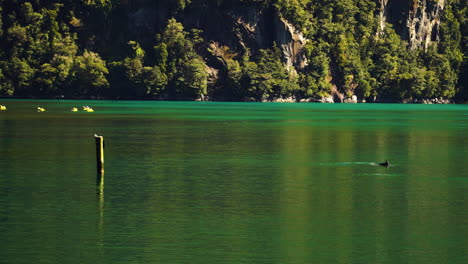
236	50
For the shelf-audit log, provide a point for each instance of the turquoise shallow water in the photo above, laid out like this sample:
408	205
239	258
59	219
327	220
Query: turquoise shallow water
193	182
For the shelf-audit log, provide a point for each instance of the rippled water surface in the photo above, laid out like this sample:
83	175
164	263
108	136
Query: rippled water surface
233	183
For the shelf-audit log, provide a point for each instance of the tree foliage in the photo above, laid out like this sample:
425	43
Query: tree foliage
103	48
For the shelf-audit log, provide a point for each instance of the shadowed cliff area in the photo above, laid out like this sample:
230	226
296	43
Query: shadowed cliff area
240	50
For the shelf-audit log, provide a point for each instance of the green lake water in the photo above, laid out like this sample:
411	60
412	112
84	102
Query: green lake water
233	183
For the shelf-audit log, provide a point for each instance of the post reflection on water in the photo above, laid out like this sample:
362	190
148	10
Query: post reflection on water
100	201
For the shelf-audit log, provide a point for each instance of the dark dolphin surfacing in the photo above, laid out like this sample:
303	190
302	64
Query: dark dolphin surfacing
385	164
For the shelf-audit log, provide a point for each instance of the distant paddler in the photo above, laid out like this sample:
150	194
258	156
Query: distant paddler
74	109
2	107
40	109
88	109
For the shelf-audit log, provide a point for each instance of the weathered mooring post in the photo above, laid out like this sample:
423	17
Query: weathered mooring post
99	156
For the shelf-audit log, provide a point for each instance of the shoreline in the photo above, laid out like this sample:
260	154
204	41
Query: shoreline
323	100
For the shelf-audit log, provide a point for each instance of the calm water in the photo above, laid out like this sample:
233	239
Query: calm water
234	183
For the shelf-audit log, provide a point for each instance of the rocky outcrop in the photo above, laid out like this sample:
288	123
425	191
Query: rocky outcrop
336	95
291	99
351	100
436	101
265	26
382	15
423	22
416	21
327	99
291	42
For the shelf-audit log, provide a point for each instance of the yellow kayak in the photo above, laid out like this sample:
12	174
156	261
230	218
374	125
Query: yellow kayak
87	109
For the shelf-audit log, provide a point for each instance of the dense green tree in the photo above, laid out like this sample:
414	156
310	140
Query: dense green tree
6	85
21	74
185	69
161	56
135	78
267	78
89	74
153	81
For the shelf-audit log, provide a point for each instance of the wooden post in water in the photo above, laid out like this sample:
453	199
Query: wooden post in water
99	156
